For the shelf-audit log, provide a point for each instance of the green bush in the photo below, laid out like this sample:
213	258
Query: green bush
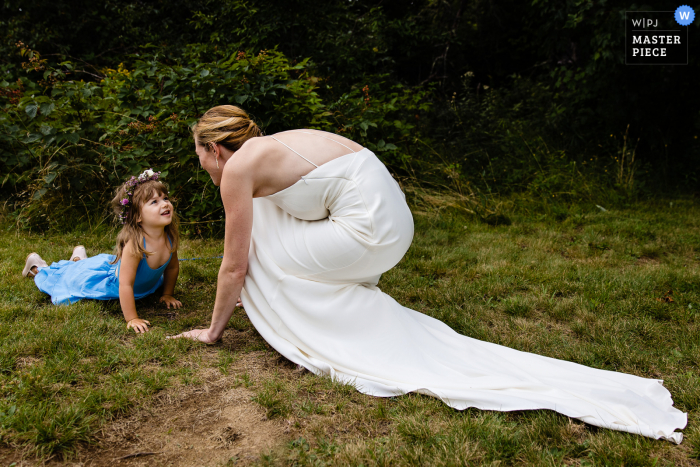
513	141
65	144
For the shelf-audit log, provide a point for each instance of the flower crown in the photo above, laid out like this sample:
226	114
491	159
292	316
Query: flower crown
131	186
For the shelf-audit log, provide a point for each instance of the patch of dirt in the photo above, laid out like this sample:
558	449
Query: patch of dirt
27	362
208	424
644	260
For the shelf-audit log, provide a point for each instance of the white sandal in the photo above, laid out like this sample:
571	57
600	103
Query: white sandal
33	259
79	253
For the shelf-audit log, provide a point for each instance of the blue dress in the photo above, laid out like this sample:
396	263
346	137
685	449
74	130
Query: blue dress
95	278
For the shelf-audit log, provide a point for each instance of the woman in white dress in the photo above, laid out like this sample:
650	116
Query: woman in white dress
312	221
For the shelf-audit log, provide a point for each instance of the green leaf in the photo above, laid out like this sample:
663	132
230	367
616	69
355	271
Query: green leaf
73	138
40	193
31	110
241	99
32	138
46	108
45	130
204	73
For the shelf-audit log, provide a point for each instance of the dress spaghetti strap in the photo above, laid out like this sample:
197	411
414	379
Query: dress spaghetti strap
312	134
294	151
144	244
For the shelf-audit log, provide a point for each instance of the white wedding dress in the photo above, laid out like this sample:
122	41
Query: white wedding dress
317	251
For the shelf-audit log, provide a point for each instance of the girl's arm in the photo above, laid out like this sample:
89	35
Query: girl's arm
127	275
169	279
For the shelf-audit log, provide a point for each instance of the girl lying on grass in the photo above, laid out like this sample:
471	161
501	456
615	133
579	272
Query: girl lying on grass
145	259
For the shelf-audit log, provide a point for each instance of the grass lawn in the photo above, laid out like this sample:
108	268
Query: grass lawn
617	290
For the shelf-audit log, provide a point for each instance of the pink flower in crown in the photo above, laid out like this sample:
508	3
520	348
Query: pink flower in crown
125	201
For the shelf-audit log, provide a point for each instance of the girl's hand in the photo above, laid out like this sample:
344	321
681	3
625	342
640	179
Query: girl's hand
170	300
139	325
201	335
238	302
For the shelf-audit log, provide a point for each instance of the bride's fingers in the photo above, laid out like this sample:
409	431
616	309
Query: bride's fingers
191	334
177	336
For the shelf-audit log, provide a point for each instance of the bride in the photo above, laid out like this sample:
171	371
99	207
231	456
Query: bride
312	221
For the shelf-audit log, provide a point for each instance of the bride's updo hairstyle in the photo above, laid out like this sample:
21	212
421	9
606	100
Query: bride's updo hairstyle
226	125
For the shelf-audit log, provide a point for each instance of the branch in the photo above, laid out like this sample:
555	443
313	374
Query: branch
88	73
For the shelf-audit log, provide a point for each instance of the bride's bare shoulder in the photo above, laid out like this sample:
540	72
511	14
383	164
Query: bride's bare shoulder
255	146
255	153
256	164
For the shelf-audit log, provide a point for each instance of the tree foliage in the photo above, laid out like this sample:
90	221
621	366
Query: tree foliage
455	90
65	143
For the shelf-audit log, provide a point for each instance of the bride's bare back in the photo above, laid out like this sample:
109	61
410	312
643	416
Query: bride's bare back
276	160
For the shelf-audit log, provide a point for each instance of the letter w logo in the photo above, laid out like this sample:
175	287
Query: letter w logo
684	14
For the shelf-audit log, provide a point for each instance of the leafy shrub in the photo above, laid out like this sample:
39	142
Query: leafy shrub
513	141
66	143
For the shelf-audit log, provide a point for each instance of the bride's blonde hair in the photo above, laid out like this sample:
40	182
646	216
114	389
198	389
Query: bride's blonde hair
226	125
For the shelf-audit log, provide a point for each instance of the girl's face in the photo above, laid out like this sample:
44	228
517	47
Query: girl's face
207	159
157	211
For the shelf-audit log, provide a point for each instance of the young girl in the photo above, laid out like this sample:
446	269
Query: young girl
145	256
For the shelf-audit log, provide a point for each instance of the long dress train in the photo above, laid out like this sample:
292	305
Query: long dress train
317	251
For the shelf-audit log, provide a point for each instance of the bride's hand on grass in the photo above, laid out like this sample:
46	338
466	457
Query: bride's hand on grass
201	335
170	300
138	325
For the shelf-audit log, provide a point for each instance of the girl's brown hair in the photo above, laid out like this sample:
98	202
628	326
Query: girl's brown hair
226	125
132	230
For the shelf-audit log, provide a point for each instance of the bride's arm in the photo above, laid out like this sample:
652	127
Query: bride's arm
237	196
238	204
